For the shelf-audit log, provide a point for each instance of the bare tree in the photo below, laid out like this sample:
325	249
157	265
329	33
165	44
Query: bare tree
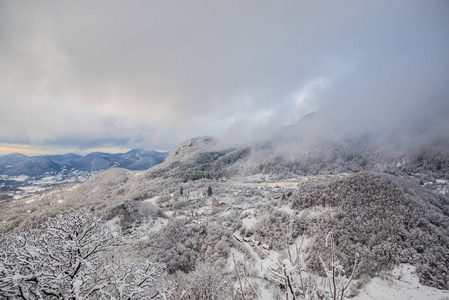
288	273
62	259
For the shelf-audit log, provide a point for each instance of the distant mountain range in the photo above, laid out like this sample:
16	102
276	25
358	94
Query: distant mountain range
17	164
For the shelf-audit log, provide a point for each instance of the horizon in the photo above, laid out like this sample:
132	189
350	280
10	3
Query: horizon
31	152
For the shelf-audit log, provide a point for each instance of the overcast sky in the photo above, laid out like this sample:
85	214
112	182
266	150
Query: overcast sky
86	75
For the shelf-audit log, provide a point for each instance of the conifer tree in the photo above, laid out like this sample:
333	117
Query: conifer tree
209	191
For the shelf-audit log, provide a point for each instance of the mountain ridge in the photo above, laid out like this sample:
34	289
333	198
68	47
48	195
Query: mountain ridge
17	164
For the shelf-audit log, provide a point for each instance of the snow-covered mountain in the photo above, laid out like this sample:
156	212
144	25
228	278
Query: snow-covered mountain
31	166
208	202
21	175
18	164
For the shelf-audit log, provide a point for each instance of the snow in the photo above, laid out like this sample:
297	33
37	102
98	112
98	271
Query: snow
287	209
401	284
17	178
158	224
31	189
317	210
253	271
152	200
249	222
77	283
442	186
288	265
169	213
443	190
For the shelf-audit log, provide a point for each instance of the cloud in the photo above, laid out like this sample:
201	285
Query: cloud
152	73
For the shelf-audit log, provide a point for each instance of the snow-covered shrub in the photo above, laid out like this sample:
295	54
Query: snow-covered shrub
131	214
147	209
206	282
269	229
182	243
236	222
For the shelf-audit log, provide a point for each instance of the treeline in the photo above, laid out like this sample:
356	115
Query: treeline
428	162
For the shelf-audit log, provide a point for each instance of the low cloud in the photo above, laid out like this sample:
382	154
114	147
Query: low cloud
150	74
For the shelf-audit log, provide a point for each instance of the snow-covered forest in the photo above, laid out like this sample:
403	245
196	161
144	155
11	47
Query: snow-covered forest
222	223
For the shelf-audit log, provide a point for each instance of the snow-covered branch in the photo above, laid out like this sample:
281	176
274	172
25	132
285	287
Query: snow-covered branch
62	259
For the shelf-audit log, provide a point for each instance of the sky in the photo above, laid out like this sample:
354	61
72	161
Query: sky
78	76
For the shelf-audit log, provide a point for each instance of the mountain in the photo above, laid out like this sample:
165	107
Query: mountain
32	166
18	164
141	159
64	159
9	160
384	205
203	158
96	161
194	159
388	203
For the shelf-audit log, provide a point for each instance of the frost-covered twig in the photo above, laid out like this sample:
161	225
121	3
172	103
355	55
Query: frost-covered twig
62	260
238	275
338	283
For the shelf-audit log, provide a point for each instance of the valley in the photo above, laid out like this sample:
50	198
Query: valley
22	175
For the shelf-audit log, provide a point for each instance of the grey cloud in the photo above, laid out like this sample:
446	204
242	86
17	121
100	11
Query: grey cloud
152	73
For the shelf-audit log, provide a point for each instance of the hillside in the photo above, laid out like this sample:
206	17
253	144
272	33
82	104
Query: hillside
32	166
386	219
205	158
207	202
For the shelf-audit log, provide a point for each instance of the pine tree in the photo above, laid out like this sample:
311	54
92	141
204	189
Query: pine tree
209	191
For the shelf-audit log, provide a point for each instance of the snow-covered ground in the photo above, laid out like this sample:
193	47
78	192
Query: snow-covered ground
25	186
243	198
401	284
57	193
20	178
